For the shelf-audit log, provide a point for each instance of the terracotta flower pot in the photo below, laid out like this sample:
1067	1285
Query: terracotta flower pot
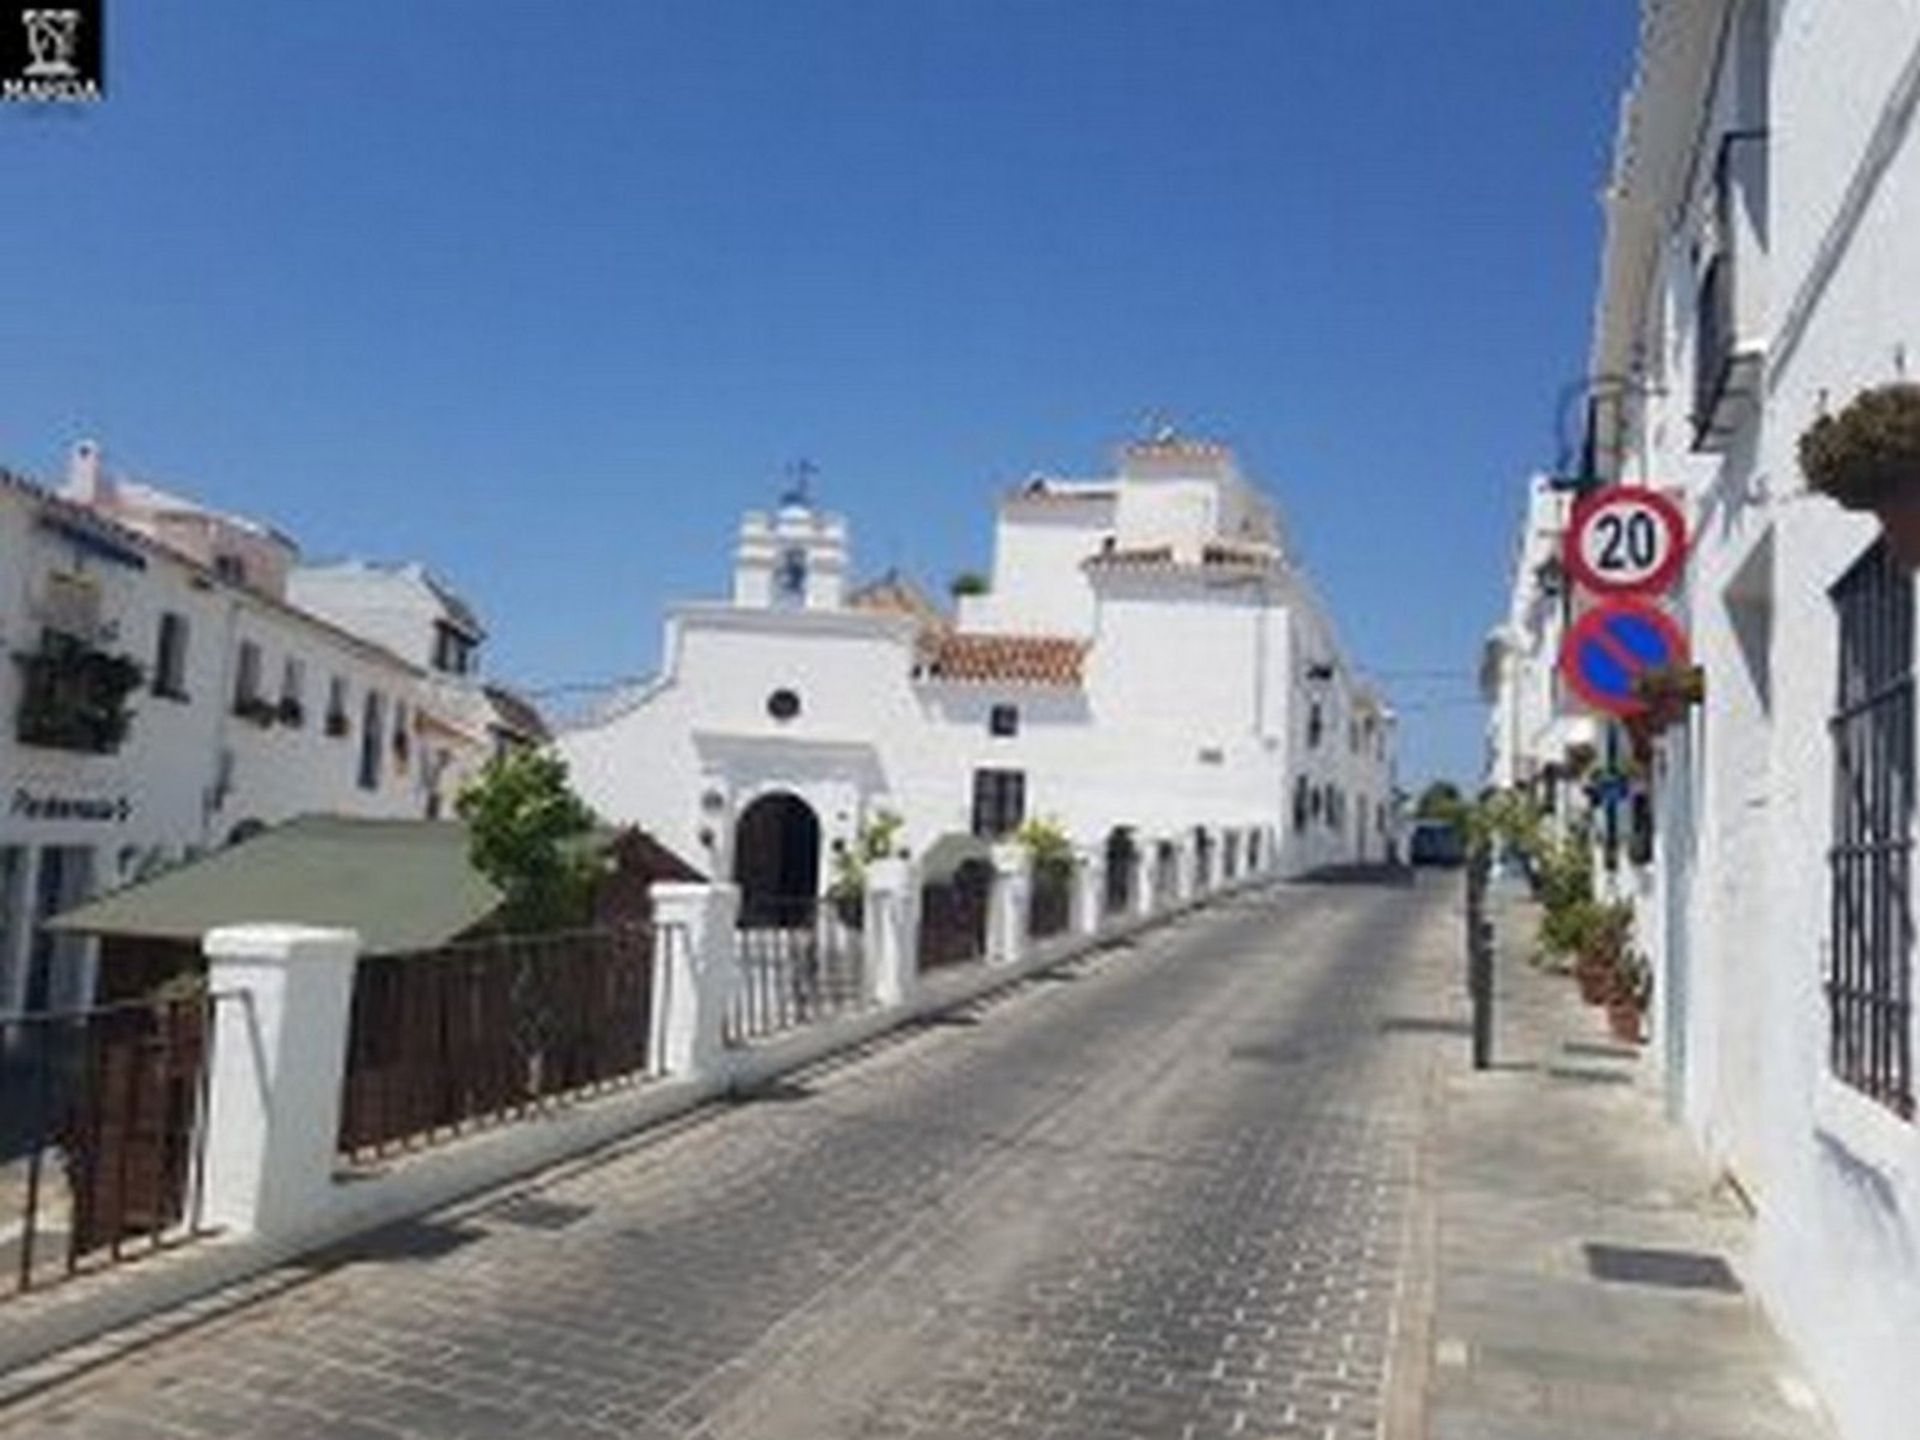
1594	977
1623	1020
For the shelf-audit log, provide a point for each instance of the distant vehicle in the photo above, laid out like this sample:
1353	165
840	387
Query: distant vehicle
1436	842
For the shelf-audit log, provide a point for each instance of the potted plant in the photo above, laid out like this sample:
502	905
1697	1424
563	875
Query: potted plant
73	696
1668	692
876	840
1604	944
259	710
1867	457
1628	1000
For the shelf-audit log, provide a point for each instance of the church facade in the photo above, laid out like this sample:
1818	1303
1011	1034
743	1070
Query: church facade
1147	670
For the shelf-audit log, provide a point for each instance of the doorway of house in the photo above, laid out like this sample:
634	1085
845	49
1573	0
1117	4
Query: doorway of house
776	860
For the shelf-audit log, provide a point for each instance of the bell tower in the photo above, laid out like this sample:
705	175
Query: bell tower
793	559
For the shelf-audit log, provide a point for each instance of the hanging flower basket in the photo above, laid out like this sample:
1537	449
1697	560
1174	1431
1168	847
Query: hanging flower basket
1867	457
1668	692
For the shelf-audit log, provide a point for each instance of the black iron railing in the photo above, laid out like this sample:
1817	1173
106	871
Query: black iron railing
441	1041
953	916
1122	860
102	1134
1050	905
805	969
1869	977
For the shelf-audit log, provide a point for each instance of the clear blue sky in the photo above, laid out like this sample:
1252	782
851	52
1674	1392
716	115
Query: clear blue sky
546	293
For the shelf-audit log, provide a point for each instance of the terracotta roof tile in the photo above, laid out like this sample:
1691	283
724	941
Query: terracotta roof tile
972	657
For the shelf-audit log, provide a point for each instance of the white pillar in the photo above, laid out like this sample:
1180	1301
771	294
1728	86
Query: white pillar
1185	869
1143	862
892	931
279	1058
1007	907
1089	890
695	970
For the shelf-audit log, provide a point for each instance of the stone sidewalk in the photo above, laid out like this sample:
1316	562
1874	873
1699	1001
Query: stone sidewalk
1552	1170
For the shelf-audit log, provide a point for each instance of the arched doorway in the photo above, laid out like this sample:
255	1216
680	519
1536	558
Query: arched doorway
776	860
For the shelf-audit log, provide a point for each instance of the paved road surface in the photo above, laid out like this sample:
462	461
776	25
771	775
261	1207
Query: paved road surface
1166	1195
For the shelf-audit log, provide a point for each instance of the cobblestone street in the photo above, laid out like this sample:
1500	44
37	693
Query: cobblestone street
1167	1192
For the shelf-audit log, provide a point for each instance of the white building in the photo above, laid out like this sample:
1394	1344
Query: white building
1147	659
1530	723
418	616
166	698
1760	267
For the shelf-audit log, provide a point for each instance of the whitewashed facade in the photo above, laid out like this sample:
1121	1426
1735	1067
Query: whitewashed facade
249	710
1146	657
1531	726
1761	266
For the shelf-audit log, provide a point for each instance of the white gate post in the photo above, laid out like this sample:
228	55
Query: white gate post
892	931
1145	856
695	970
277	1064
1007	906
1089	889
1186	869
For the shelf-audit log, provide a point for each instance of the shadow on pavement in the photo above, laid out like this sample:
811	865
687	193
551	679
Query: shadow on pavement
1398	877
1423	1025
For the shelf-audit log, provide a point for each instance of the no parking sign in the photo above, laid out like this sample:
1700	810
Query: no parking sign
1611	646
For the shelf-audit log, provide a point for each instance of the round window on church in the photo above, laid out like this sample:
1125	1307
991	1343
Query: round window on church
783	704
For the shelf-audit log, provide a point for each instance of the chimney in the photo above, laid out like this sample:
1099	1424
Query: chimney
86	481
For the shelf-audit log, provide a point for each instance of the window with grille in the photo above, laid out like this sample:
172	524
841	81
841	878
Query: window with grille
1870	965
170	657
999	802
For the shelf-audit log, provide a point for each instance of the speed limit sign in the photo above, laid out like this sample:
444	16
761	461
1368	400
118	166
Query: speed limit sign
1626	540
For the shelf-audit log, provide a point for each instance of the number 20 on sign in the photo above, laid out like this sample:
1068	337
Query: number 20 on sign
1625	540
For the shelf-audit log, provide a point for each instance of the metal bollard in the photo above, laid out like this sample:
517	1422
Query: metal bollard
1480	962
1480	985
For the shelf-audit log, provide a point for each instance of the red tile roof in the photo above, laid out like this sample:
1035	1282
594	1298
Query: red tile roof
972	657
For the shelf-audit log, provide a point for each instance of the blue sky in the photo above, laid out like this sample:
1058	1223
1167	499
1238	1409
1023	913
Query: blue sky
546	293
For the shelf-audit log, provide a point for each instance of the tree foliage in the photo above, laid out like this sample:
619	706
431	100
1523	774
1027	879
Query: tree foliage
1441	800
528	835
878	839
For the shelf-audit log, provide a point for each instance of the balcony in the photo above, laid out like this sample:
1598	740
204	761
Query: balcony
73	696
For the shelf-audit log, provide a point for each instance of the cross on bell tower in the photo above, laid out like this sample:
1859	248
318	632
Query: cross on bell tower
799	492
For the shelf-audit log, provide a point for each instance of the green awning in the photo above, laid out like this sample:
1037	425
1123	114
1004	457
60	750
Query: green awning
403	884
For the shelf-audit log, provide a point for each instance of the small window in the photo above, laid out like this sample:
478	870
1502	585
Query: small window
246	680
372	722
170	658
999	802
783	704
452	651
230	568
293	684
1003	720
337	721
1300	803
402	736
1316	723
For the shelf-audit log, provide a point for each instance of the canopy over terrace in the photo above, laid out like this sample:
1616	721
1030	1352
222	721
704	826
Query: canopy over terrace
403	885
